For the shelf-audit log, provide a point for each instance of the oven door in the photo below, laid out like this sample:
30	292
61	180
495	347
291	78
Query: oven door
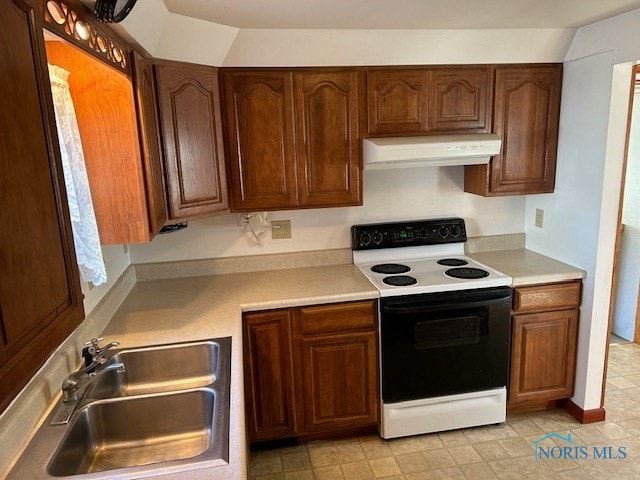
444	343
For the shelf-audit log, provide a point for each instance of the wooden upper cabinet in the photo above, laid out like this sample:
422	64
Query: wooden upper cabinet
460	99
261	139
327	113
145	90
526	116
293	138
40	297
429	100
189	110
397	101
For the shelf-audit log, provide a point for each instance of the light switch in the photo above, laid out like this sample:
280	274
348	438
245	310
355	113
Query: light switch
539	217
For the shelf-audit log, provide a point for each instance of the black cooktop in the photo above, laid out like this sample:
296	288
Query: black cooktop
452	262
400	280
467	273
390	268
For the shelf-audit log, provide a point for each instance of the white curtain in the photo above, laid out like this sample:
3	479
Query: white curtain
83	218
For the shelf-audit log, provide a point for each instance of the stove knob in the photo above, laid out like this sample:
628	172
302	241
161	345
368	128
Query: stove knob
423	234
377	238
455	231
443	232
365	239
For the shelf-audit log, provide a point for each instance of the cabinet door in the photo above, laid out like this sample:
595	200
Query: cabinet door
268	373
459	100
526	114
145	90
397	101
527	109
340	381
327	116
40	297
189	105
259	109
543	356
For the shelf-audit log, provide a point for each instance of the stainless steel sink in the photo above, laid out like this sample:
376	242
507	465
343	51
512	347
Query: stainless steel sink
162	368
167	411
135	431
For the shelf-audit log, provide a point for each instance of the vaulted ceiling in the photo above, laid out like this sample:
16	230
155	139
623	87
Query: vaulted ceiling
401	14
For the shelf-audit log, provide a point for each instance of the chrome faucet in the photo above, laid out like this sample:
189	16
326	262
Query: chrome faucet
92	350
75	385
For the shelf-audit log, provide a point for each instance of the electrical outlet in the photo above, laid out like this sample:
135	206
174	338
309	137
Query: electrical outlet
280	229
539	217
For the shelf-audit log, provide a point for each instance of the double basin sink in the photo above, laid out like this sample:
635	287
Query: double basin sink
166	410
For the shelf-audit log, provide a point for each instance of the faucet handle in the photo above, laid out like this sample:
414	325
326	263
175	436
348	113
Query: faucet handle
93	342
92	349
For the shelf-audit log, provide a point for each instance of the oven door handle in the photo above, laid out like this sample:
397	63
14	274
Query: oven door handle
426	307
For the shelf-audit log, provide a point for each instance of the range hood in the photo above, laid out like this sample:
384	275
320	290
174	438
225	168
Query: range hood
433	150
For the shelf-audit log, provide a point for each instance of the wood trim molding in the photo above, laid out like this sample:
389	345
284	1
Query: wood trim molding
584	416
74	22
616	254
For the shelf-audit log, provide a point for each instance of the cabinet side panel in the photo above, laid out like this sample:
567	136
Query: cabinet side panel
105	110
40	298
150	139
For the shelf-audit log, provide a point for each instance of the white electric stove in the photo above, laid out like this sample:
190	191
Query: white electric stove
444	326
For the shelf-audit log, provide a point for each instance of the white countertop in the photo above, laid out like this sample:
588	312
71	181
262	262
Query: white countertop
526	267
183	309
196	308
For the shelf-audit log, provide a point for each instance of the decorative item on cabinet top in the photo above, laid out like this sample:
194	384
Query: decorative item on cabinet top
73	21
113	11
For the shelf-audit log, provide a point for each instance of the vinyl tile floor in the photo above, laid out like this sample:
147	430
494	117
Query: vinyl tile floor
504	451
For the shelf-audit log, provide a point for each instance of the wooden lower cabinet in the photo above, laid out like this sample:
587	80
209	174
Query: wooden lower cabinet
268	373
339	381
544	338
311	370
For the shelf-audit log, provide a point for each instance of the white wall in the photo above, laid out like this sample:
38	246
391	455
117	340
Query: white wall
581	217
572	212
171	36
176	37
619	35
388	195
397	47
116	261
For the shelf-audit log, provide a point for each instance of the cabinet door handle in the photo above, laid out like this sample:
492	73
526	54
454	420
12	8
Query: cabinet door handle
3	331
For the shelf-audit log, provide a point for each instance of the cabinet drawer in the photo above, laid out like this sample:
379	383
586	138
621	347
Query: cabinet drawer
546	297
341	316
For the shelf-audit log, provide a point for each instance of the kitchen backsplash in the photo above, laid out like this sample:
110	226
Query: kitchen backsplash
388	195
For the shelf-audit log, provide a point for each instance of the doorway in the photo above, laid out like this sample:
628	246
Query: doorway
625	312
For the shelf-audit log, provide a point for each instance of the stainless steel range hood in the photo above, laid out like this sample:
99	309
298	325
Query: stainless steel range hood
433	150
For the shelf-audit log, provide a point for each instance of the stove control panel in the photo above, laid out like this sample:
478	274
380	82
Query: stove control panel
408	234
